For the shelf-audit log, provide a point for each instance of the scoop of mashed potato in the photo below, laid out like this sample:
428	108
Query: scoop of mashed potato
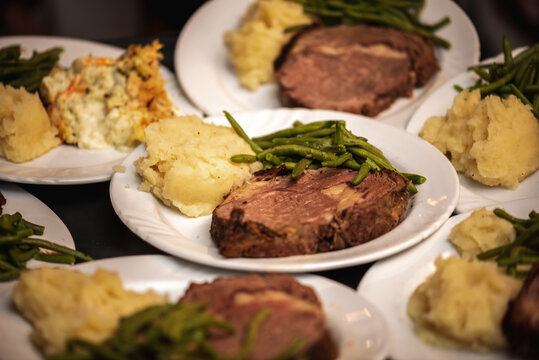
63	303
494	141
481	231
258	41
188	164
26	131
462	304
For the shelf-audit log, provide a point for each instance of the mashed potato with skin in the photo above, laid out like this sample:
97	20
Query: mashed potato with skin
481	231
461	305
26	131
493	141
257	43
62	303
188	165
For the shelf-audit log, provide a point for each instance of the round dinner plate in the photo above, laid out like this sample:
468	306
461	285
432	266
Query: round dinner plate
209	81
35	211
189	238
356	325
67	164
390	282
472	193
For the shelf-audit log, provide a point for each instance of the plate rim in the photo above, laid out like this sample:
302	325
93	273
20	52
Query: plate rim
179	270
436	245
393	117
468	199
331	260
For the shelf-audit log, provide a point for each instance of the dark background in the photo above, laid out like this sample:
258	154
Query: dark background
115	20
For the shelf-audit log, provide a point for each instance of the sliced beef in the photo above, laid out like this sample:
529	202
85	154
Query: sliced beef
273	215
295	314
521	322
356	68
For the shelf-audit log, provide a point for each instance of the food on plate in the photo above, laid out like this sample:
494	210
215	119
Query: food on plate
481	231
494	141
26	72
517	75
323	188
63	303
462	304
274	215
518	256
521	322
26	131
102	102
355	68
291	316
257	42
251	317
188	164
361	74
18	245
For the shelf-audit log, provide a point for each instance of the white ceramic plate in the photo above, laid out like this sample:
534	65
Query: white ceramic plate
472	193
68	164
389	284
33	210
356	325
168	230
208	79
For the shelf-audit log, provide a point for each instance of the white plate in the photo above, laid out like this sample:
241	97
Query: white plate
389	284
168	230
356	325
203	71
33	210
472	193
68	164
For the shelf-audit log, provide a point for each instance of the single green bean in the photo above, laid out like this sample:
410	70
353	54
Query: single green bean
300	167
300	129
55	258
56	247
363	171
338	161
240	158
239	130
303	151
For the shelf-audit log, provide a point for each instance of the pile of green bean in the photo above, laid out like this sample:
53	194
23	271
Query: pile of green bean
399	14
524	250
170	331
518	75
318	144
17	247
26	72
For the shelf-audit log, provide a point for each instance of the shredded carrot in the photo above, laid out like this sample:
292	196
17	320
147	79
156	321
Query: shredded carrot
97	61
74	86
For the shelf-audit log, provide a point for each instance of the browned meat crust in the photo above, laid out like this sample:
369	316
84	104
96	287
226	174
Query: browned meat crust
295	313
356	68
521	322
273	215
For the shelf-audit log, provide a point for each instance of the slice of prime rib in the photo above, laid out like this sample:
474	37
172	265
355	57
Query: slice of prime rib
295	314
273	215
521	321
355	68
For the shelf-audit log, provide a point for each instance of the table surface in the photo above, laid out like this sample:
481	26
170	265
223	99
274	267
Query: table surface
87	211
